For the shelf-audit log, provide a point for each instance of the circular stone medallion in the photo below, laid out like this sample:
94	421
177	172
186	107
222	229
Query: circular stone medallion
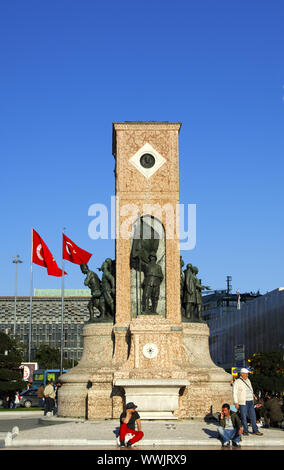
147	160
150	350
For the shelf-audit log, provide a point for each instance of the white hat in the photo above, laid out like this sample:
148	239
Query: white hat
244	371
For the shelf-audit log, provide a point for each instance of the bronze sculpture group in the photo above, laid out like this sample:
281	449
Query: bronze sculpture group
143	259
191	293
102	303
101	306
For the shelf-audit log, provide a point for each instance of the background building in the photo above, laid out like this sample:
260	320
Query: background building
240	324
243	324
46	319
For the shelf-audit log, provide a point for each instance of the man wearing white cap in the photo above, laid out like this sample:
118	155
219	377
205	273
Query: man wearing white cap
243	397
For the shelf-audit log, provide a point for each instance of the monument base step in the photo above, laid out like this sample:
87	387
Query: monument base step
164	415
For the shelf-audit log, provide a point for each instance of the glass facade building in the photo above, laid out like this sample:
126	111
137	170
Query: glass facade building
256	326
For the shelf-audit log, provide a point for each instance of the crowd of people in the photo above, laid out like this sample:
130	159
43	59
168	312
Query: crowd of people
248	408
10	400
270	410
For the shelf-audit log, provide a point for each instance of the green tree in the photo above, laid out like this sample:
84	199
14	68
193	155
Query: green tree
11	356
268	371
49	358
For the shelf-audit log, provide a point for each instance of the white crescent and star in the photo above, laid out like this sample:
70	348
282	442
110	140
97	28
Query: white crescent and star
38	250
67	248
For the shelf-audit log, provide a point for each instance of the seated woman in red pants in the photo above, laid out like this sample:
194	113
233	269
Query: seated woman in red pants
128	419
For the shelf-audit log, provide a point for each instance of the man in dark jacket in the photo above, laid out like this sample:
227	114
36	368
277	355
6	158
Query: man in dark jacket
230	427
40	395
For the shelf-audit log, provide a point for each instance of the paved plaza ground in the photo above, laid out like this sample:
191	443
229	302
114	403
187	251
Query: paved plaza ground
55	432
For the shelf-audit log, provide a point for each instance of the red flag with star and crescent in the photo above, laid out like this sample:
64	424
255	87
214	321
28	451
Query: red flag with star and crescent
73	253
43	257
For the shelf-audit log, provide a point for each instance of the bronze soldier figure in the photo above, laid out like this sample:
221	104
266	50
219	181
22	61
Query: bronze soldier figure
151	284
108	286
182	281
92	280
189	298
199	288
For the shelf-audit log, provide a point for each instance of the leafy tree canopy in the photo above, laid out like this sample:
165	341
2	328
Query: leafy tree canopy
268	371
49	358
10	360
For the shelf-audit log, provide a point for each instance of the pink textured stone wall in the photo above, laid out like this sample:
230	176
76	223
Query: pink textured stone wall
133	188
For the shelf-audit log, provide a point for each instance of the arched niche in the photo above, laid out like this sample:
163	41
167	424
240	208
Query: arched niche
148	238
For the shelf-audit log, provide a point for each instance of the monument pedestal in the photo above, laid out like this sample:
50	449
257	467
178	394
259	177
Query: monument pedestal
171	362
165	368
155	345
155	398
152	376
97	353
210	385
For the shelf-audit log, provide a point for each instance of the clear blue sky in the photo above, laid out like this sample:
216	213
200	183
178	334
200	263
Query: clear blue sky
69	69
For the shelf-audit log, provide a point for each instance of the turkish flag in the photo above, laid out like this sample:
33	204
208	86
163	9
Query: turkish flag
43	257
73	253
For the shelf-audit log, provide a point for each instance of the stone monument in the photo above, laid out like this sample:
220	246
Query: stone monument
155	352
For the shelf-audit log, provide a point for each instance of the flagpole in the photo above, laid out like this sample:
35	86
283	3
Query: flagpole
62	311
31	299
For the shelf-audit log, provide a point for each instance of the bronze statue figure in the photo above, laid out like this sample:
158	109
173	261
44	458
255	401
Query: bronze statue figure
191	298
153	277
108	286
143	259
145	242
92	281
99	292
199	288
182	281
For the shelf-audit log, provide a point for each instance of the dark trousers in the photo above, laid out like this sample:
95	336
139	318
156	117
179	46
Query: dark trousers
41	402
49	405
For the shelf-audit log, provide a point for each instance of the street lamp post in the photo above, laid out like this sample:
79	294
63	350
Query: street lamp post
16	260
62	315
